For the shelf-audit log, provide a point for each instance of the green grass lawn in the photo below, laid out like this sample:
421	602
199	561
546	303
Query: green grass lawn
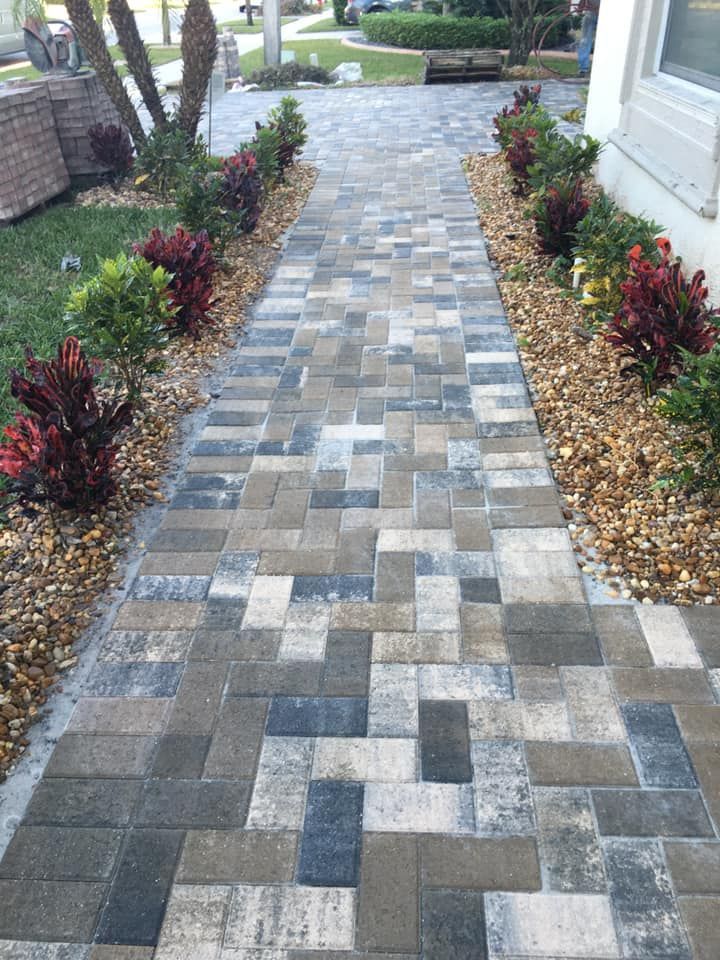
240	26
327	26
376	67
158	56
33	291
567	66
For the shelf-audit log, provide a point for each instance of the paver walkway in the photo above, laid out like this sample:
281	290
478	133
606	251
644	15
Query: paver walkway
357	704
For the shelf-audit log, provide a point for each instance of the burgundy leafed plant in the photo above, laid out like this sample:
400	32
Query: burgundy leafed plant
63	450
241	189
189	258
558	210
662	313
519	156
111	148
523	97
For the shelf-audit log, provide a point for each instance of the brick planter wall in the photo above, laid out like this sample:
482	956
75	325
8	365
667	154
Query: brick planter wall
77	103
32	169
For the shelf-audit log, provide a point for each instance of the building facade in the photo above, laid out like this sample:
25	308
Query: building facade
655	99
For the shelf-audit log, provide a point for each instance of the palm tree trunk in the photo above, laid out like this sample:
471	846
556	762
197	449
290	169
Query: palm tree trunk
137	58
92	40
199	49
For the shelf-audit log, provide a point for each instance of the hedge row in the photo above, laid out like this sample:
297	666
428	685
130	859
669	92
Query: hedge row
426	31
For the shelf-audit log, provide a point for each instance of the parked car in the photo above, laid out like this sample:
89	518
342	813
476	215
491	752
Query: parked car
355	8
256	8
12	39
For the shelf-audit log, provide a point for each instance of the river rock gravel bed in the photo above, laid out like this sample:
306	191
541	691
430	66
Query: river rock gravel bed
56	567
608	447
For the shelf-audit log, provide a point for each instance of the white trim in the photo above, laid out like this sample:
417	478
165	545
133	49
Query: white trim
681	187
669	126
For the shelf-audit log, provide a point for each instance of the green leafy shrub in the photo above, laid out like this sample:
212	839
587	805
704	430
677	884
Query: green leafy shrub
602	241
265	145
557	157
532	116
339	12
557	212
166	155
291	126
288	75
694	403
63	450
200	207
126	311
426	31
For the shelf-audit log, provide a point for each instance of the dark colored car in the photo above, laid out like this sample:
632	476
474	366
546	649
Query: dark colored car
355	8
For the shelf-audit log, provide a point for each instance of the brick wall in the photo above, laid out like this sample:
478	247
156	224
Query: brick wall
43	138
77	103
32	169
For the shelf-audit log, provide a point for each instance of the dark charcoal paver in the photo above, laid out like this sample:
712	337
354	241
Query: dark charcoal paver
139	893
444	742
330	851
453	924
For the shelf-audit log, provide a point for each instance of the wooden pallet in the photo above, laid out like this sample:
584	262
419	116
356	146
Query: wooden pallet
462	66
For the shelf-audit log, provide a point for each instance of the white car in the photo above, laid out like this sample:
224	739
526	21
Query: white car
12	39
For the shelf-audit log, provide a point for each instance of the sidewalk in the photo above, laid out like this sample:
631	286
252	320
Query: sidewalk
357	705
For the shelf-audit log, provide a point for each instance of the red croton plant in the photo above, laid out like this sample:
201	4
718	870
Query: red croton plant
189	258
662	314
62	451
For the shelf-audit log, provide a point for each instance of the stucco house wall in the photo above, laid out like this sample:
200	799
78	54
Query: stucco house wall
662	156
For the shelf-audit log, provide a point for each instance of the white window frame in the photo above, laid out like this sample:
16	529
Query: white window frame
713	83
669	126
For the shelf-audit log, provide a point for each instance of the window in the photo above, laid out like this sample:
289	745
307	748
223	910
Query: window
692	42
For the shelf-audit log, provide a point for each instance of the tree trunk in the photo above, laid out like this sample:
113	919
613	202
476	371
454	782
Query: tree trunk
199	49
92	40
248	13
446	8
137	58
165	21
522	23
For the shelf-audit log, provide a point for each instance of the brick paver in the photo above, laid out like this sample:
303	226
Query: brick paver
356	703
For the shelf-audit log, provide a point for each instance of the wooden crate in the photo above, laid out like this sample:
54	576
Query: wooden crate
462	66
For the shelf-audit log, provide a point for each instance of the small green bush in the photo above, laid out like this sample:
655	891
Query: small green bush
602	241
291	126
533	116
266	147
288	75
694	403
557	157
164	159
426	31
125	310
199	207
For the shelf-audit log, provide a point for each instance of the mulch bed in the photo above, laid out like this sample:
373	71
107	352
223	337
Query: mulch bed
55	569
607	445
